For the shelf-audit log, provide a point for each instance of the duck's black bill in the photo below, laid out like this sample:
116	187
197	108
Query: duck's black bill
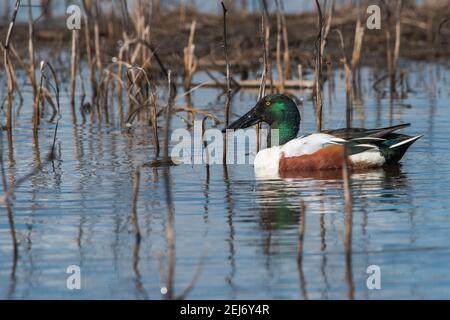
247	120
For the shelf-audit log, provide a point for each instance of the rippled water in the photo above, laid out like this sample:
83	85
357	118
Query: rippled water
242	232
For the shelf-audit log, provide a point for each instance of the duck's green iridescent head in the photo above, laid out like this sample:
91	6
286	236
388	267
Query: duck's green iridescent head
278	110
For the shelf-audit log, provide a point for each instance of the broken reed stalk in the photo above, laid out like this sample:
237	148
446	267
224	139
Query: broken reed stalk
228	101
318	68
267	44
8	65
169	108
205	143
122	51
32	70
134	216
190	62
357	45
398	34
13	73
190	66
87	40
262	87
389	53
286	54
98	57
73	72
278	51
348	83
320	44
36	110
154	120
57	94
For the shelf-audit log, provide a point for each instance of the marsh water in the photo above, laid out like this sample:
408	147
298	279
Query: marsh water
238	234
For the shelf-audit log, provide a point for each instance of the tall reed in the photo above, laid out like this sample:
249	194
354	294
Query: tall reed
73	71
31	56
324	24
357	45
280	70
348	84
227	65
8	65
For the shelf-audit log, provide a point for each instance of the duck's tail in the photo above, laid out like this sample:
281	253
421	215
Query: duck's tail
395	146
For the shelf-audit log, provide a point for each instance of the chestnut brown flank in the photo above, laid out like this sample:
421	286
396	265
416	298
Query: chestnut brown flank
326	158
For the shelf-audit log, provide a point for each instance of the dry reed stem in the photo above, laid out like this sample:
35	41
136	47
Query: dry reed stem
190	62
36	109
398	34
205	143
98	56
348	83
41	90
228	101
389	53
286	54
154	120
280	70
87	39
318	60
8	65
278	49
267	51
262	88
190	66
32	69
357	46
13	73
73	72
169	109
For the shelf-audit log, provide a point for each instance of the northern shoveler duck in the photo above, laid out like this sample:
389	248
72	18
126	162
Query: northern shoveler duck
366	148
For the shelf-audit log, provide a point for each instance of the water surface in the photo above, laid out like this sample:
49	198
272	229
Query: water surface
242	231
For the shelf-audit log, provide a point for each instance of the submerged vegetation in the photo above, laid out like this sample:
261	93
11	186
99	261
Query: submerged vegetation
133	63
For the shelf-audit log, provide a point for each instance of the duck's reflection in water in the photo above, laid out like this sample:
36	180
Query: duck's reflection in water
279	200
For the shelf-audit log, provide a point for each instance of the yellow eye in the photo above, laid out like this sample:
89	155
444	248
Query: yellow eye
268	103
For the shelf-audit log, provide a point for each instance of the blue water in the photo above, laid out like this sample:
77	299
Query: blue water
242	232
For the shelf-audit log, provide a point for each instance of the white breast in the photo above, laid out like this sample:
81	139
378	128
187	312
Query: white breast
267	161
